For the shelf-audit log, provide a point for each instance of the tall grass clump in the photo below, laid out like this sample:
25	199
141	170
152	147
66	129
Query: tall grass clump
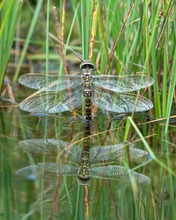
9	16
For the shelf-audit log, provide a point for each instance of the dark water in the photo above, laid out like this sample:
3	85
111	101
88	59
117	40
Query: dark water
21	197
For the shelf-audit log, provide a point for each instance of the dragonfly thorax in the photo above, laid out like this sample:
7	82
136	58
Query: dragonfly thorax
87	75
87	82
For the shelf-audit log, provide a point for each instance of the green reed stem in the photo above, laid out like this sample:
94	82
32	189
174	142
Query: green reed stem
29	35
10	12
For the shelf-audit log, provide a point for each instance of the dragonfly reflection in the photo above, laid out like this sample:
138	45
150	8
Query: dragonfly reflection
96	156
56	148
64	93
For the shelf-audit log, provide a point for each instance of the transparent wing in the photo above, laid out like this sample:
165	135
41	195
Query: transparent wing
119	173
51	148
52	102
117	153
49	83
122	84
47	169
121	103
41	147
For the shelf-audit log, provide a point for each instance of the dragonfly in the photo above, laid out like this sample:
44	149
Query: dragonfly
110	93
85	158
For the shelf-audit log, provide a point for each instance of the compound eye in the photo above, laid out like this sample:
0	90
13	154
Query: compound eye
87	63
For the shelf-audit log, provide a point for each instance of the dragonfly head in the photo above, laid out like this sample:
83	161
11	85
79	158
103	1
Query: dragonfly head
83	182
87	64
